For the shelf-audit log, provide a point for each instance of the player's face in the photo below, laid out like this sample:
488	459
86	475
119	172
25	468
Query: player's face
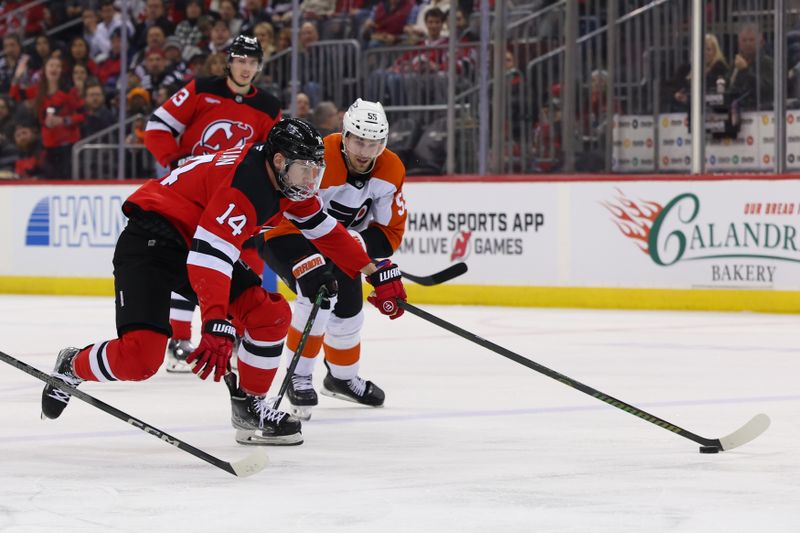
361	152
244	69
300	178
305	176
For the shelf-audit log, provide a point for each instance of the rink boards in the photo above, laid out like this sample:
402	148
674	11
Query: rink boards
650	242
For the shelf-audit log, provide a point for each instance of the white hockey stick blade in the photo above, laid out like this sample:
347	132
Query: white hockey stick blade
755	427
252	464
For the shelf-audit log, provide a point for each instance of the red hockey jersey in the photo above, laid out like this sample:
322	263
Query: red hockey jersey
205	117
218	201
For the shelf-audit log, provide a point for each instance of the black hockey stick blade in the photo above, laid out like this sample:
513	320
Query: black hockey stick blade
752	429
453	271
253	463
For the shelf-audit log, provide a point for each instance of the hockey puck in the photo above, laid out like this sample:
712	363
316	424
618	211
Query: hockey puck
709	449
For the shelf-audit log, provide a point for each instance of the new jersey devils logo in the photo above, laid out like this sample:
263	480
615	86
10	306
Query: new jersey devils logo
222	135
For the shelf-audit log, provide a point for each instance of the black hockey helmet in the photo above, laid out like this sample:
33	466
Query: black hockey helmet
296	139
245	46
302	146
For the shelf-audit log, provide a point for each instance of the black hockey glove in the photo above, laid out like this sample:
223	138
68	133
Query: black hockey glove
313	272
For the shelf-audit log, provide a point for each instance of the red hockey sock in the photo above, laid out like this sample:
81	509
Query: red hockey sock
135	356
181	330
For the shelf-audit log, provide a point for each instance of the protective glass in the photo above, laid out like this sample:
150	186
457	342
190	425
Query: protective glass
356	146
300	179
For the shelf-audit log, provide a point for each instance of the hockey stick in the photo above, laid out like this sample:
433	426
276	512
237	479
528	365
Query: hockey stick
253	463
453	271
752	429
300	345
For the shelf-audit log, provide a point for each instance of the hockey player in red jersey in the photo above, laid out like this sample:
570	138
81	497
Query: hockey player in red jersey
363	189
185	233
206	116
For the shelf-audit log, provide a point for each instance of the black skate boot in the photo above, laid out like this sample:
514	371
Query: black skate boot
302	396
177	352
257	423
354	390
54	400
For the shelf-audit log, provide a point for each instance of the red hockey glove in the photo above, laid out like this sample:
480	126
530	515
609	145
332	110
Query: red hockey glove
215	349
388	289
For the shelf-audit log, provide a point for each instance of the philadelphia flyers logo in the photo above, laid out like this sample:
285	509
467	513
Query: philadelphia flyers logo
222	135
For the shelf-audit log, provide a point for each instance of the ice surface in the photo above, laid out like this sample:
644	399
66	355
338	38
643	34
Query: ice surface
468	441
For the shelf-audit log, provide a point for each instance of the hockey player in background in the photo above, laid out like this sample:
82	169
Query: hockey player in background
206	116
185	234
363	189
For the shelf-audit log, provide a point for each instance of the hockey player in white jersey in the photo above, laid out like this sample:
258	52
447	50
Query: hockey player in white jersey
362	188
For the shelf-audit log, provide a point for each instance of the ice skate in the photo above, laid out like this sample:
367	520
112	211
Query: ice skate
302	396
54	400
353	390
177	352
257	423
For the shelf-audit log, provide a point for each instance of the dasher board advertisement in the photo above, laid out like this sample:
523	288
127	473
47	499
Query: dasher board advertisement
506	232
740	234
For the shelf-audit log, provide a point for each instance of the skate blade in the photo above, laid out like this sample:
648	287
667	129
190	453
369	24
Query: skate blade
250	438
331	394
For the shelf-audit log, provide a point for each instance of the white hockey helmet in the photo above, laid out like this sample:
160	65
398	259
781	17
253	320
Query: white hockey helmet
366	120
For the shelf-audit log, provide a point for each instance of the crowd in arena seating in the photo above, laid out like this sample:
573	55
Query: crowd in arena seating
60	86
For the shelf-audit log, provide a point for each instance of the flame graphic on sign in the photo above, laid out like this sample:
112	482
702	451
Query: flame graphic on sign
460	244
634	219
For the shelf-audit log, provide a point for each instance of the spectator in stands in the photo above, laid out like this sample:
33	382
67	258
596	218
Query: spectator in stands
154	69
326	118
155	15
80	77
196	67
284	40
228	13
60	113
220	38
163	93
6	120
42	49
90	23
215	65
12	50
386	25
176	66
417	29
78	54
266	38
155	39
110	19
715	67
430	60
109	69
303	104
98	115
308	36
139	102
751	79
29	163
188	31
465	32
254	13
